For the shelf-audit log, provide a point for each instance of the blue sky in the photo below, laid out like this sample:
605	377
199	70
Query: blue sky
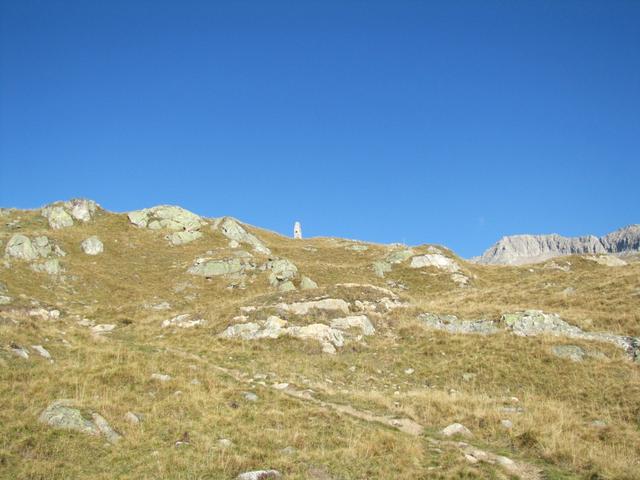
451	122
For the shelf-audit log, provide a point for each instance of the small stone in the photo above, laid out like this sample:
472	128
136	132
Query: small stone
132	418
42	351
456	429
409	371
467	377
280	386
508	424
110	434
288	451
307	284
103	328
259	475
250	396
161	377
20	351
470	458
225	443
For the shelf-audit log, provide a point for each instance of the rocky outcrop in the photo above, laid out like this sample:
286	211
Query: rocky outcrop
63	415
530	323
168	217
330	336
234	231
522	249
206	267
282	272
62	214
23	248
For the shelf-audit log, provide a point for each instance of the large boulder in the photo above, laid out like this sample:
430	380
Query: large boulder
20	246
62	214
168	217
61	414
92	246
452	324
234	231
281	271
436	260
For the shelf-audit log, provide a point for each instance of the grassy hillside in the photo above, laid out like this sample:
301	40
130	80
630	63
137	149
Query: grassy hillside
341	416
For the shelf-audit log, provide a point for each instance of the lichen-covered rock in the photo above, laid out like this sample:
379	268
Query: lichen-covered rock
354	321
607	260
61	414
302	308
328	337
259	475
436	260
571	352
169	217
456	429
186	320
214	268
61	214
232	229
452	324
281	271
51	267
20	246
385	265
286	286
92	246
180	238
57	217
307	284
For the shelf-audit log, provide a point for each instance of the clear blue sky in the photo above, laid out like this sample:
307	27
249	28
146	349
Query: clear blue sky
452	122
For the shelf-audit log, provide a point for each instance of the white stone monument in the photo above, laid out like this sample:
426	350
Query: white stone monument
297	230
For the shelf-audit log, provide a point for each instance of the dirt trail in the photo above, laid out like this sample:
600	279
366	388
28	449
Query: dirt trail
522	470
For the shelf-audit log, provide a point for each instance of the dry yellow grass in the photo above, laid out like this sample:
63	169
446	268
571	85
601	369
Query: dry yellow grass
559	399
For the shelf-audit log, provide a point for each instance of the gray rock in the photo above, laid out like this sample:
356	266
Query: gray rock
436	260
133	418
307	284
302	308
19	351
180	238
456	429
57	217
536	322
186	320
380	268
522	249
355	321
42	351
168	217
60	414
225	443
233	230
250	396
214	268
160	377
259	475
281	271
508	424
451	324
51	267
81	208
109	433
92	245
571	352
287	286
20	246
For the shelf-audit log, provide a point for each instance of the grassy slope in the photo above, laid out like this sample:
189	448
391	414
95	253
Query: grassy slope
111	375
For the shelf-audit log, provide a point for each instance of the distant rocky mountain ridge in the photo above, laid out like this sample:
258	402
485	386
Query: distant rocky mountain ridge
522	249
